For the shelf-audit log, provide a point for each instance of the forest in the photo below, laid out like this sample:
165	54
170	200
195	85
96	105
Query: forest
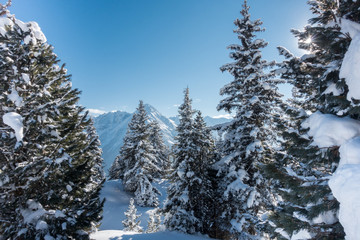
280	168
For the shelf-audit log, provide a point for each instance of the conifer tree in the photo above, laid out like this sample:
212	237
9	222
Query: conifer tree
298	181
248	141
131	223
136	164
179	214
50	159
327	43
188	206
203	199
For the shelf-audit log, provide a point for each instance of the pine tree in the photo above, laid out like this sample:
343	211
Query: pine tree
136	164
248	141
154	221
50	159
131	223
188	206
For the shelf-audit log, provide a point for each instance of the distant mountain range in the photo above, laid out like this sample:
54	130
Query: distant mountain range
111	128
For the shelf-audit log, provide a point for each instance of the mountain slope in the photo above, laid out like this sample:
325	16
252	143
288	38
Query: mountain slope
111	128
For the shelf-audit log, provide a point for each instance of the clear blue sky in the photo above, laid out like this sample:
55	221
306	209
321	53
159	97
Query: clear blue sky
121	51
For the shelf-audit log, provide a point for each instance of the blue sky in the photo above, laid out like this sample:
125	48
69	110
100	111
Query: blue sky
123	51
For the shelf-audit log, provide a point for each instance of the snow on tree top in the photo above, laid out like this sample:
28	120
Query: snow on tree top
35	32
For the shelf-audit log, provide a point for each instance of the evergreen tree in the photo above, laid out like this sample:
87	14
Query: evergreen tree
50	159
178	210
136	164
327	44
131	223
248	139
203	199
188	206
154	221
297	173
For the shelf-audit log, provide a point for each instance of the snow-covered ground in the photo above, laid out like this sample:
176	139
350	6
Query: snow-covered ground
117	202
166	235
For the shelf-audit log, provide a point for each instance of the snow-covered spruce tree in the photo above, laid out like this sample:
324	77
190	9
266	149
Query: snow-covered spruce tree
203	201
131	223
327	41
136	164
161	151
154	221
50	158
247	143
186	207
297	172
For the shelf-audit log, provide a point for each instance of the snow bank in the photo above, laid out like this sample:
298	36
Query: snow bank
117	202
329	130
345	185
301	235
350	66
14	120
122	235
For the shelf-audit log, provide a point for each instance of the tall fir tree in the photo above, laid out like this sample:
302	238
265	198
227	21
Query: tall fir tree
248	139
307	177
50	159
206	156
186	208
136	164
298	173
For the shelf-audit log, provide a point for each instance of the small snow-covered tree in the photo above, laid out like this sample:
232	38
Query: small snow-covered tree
154	221
131	223
248	139
136	164
50	159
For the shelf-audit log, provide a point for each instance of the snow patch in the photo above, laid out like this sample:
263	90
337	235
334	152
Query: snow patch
350	66
26	77
15	98
334	90
14	120
328	130
302	234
